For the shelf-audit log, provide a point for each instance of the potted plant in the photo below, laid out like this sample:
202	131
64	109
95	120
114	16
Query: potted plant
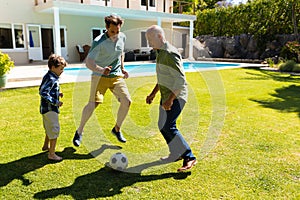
5	66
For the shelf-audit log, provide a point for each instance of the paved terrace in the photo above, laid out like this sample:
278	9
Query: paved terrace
32	74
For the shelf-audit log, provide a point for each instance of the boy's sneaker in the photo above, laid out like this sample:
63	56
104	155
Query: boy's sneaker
77	139
119	135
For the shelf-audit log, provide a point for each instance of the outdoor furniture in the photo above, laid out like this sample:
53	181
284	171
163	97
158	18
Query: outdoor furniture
129	56
141	55
83	51
152	54
138	55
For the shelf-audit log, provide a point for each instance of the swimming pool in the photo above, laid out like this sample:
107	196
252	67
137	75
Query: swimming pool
143	69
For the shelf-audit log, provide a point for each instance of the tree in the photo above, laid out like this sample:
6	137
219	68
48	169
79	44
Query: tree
183	6
211	3
294	18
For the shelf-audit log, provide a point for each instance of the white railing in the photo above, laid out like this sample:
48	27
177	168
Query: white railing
152	4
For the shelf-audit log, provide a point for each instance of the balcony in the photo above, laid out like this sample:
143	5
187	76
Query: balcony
94	8
145	5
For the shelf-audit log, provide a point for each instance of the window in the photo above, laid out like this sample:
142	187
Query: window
62	38
97	31
6	36
150	2
11	36
144	42
19	36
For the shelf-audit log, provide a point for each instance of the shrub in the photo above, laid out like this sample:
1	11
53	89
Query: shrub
288	66
5	64
296	68
291	51
270	62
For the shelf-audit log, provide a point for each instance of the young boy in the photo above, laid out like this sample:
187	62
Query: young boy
50	103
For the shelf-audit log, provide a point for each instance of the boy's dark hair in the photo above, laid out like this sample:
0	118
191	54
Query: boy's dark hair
113	19
56	61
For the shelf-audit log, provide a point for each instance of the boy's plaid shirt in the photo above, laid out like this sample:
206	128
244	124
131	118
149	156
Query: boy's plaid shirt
49	92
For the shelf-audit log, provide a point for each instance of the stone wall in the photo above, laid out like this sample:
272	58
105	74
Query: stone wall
239	47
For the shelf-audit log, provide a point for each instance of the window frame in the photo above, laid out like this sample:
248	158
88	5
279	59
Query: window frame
151	5
144	39
13	27
102	30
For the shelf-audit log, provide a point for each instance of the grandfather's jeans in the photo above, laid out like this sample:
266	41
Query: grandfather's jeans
167	126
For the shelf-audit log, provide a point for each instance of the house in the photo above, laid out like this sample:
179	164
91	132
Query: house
30	30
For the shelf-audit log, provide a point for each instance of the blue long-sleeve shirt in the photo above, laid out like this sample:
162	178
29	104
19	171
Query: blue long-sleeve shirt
49	92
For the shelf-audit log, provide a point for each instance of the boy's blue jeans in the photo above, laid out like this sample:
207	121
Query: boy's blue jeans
178	147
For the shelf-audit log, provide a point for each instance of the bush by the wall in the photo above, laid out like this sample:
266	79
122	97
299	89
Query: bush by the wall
263	19
289	66
291	51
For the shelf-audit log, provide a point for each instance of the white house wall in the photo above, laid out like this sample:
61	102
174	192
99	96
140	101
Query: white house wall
21	12
78	28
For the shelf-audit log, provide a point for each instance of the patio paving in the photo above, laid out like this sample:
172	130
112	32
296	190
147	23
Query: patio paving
31	75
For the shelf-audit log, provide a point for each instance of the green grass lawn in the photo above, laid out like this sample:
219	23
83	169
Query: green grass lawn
242	124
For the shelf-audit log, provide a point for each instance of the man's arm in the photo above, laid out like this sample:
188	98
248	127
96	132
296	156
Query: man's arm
91	64
126	75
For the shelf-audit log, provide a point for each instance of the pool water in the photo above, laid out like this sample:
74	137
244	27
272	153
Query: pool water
149	68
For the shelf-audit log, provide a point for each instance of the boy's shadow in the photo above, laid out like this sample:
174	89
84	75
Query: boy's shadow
107	182
16	169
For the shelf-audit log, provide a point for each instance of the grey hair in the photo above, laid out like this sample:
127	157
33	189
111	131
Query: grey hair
155	30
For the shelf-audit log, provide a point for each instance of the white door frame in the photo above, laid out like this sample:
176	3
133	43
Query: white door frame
34	42
64	50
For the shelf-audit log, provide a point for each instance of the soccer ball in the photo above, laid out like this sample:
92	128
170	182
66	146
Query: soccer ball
118	161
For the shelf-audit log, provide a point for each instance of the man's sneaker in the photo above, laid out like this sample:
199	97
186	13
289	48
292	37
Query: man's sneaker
118	135
77	139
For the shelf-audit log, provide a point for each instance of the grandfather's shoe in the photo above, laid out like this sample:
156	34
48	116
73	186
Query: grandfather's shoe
119	135
187	164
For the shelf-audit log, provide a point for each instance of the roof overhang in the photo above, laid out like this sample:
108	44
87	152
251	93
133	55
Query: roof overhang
69	8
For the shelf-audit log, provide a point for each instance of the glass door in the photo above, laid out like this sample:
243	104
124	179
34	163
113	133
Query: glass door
34	42
63	42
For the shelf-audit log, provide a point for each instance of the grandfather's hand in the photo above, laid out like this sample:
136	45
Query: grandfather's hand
167	105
